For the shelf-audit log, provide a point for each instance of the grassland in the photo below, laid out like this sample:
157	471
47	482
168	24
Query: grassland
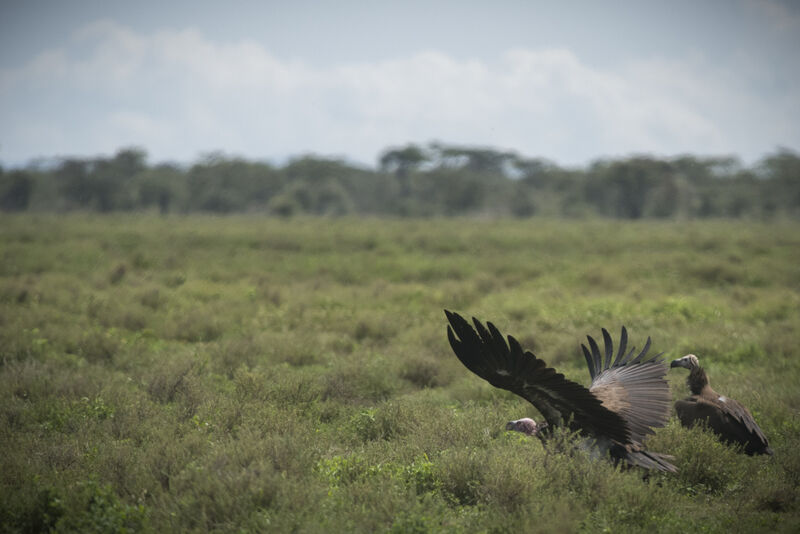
252	374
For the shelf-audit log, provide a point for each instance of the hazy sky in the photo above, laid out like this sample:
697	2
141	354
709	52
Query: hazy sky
569	81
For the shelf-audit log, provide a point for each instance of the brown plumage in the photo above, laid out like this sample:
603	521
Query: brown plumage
730	420
626	400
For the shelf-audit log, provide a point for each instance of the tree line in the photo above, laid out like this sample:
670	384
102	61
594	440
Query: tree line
412	181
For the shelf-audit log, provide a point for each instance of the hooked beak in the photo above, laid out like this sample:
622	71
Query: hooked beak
681	362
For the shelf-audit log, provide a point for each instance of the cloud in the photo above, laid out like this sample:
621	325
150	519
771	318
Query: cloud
177	94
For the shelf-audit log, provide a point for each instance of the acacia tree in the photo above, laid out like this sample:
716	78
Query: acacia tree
402	162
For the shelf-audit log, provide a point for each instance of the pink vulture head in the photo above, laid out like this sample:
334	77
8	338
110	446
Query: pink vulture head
526	425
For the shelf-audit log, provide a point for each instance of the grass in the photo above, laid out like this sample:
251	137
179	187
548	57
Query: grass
253	374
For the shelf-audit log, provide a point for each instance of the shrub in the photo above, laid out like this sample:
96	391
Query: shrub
96	508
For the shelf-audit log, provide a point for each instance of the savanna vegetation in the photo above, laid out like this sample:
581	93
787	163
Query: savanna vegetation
254	374
432	180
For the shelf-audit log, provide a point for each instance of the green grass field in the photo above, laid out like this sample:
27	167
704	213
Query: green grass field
263	375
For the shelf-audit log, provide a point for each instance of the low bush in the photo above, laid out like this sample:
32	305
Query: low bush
293	375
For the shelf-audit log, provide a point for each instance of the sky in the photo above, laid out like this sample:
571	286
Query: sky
569	81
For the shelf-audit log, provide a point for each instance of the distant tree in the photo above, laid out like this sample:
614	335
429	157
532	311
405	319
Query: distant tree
402	162
781	190
159	187
332	187
633	188
444	191
223	184
16	188
113	176
782	165
77	185
521	203
126	163
437	179
100	184
535	172
327	198
316	169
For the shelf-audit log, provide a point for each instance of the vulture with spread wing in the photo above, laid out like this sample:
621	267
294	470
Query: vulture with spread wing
731	421
628	396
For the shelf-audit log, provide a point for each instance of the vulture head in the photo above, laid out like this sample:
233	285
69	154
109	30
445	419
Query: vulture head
526	425
689	361
697	379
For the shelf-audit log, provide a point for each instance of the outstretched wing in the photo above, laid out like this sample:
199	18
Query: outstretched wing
485	352
632	386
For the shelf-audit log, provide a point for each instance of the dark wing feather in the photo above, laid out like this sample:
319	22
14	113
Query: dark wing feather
634	388
744	417
644	352
730	419
589	361
697	409
623	344
485	352
609	346
598	362
637	455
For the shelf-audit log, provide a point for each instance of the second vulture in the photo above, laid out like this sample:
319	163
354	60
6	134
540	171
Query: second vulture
628	396
730	420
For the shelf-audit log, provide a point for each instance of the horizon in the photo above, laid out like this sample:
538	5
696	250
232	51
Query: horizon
49	163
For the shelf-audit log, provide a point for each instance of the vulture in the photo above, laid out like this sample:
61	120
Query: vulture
628	396
730	420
